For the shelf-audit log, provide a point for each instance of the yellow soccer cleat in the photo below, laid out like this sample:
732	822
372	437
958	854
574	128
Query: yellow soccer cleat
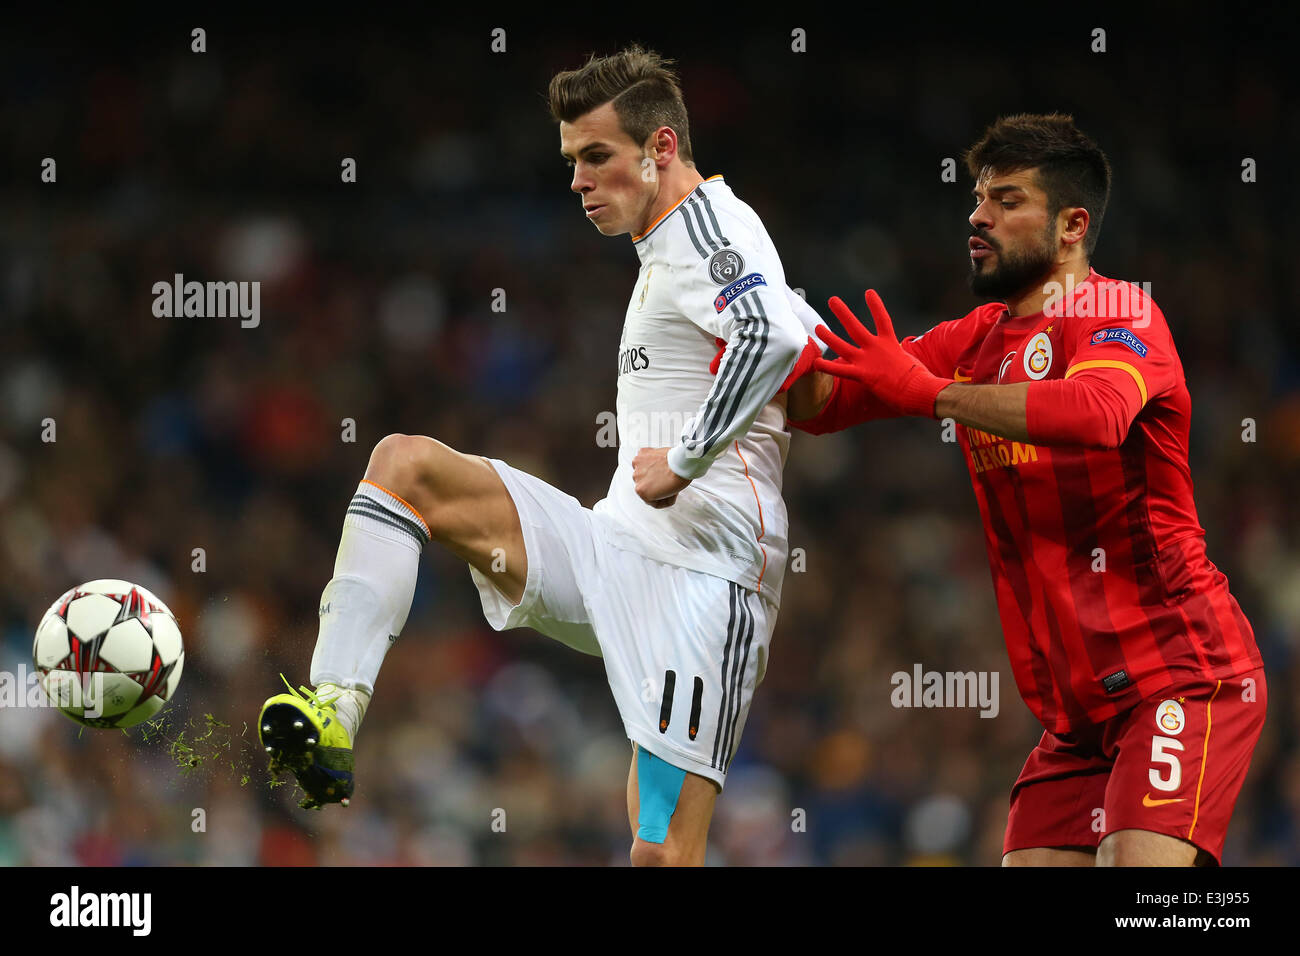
301	732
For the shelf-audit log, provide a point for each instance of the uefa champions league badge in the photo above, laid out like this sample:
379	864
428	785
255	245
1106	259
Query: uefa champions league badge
1170	718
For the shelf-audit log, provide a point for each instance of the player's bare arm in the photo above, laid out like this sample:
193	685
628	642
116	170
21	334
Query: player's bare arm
809	395
997	409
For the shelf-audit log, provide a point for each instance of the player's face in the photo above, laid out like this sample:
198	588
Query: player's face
1013	241
607	167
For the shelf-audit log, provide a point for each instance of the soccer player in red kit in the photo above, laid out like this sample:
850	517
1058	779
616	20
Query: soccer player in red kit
1124	639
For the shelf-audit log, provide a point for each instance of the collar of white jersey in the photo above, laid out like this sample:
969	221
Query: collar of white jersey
668	212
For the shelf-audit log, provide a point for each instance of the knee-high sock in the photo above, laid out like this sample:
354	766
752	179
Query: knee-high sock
364	607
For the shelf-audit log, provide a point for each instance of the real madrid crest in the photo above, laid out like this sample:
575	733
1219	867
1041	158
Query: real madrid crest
644	289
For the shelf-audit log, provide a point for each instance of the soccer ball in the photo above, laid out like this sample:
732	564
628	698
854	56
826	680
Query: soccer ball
109	654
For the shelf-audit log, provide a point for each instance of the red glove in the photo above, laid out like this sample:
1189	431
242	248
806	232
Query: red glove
802	365
889	373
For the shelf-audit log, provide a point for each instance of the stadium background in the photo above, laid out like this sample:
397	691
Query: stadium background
175	434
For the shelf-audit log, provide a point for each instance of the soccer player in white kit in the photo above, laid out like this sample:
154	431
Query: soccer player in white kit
674	578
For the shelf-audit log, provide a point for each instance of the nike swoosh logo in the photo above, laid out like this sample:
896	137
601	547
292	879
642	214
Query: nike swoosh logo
959	377
1148	802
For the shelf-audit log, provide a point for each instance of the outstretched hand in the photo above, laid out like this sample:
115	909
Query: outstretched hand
891	374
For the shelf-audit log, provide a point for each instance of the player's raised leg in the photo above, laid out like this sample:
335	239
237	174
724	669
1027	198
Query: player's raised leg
416	489
464	503
669	810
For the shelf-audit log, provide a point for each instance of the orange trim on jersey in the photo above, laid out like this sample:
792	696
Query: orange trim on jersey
762	529
1196	810
662	216
415	511
1110	363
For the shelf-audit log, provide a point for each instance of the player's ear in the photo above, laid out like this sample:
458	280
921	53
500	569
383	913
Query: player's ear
662	146
1074	224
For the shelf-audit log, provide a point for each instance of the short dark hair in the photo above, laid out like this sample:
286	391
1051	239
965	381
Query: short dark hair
1072	169
642	87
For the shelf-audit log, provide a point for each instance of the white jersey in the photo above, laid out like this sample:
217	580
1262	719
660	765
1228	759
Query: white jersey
708	270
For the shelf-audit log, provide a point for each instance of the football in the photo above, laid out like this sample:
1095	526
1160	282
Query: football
109	654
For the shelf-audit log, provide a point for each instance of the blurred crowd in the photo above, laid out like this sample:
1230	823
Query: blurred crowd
177	434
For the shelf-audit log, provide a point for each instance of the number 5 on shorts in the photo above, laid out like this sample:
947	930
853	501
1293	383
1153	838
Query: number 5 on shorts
1159	754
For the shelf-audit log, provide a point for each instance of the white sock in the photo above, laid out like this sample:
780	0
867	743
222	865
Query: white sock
364	607
349	705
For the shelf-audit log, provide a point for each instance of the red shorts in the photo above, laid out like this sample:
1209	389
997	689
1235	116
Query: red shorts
1174	764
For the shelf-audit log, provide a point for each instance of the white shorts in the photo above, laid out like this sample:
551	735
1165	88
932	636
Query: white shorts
683	650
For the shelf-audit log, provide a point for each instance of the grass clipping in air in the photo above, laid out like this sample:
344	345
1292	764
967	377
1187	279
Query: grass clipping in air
207	746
